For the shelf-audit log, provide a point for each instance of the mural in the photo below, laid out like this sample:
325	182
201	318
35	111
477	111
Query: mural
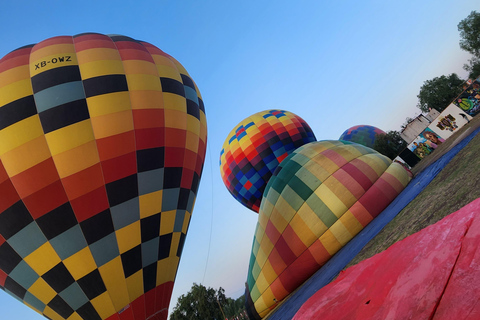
469	100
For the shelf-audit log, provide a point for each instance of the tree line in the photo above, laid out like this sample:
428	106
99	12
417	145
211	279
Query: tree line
439	92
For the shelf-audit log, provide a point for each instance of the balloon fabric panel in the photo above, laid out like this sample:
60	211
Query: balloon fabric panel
103	143
362	134
319	198
255	147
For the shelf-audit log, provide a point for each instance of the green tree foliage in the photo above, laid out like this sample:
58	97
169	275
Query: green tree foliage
390	144
470	34
470	41
439	92
200	303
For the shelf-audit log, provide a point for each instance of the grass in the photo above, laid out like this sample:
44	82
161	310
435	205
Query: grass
455	186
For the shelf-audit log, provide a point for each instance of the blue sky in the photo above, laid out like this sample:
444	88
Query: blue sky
334	63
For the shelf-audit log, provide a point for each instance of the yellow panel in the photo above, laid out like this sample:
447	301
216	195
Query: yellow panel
143	82
80	264
114	279
175	119
168	72
76	159
43	259
167	221
340	232
13	75
285	209
101	68
315	224
325	163
49	62
52	314
96	54
52	49
20	133
260	306
135	285
266	245
150	204
375	162
262	283
351	223
108	103
330	243
269	297
329	197
166	269
173	101
269	273
112	124
261	257
302	230
42	291
26	156
186	221
174	244
193	125
70	137
75	316
129	237
140	67
103	305
146	99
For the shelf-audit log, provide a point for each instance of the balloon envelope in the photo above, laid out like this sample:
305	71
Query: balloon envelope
255	147
102	143
362	134
319	198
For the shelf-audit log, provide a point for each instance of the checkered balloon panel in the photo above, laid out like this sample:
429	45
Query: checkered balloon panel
102	143
255	147
319	198
362	134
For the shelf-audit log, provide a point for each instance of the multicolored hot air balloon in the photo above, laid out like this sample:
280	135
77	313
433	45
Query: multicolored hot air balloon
102	144
362	134
255	147
319	198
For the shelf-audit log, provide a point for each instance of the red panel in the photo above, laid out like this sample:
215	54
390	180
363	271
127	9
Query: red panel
154	50
276	261
119	167
299	271
294	242
187	178
9	195
83	181
3	276
2	239
90	204
149	303
272	233
126	314
149	138
90	41
175	137
14	59
174	156
35	178
53	41
114	317
374	201
358	176
163	295
116	145
138	306
148	118
319	253
46	199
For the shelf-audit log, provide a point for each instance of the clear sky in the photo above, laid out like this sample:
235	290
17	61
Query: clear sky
334	63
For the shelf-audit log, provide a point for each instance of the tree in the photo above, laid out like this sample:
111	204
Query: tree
390	144
473	68
469	32
200	303
439	92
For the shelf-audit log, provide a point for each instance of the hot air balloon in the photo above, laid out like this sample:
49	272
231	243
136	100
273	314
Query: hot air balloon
102	144
255	147
319	198
362	134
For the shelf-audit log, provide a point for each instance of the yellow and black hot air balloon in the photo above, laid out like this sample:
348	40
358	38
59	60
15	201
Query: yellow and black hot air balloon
102	144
